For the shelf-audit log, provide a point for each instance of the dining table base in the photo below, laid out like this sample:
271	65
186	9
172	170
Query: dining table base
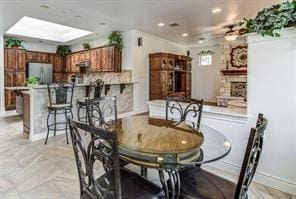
172	185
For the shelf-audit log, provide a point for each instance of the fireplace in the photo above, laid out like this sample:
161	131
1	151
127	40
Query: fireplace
232	87
238	89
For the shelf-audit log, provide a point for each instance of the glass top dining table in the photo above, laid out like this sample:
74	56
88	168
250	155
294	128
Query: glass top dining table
155	142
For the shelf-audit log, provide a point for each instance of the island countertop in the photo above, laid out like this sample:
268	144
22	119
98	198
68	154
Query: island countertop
22	88
37	105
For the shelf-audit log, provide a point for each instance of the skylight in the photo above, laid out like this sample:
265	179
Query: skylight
36	28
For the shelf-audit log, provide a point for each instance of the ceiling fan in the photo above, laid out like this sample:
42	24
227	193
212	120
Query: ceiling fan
232	34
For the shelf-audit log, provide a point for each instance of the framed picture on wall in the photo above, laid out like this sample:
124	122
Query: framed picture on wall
239	56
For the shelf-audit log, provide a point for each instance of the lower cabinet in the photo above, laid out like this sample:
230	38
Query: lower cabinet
26	112
10	100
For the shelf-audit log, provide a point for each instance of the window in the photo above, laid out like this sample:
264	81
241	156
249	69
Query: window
205	60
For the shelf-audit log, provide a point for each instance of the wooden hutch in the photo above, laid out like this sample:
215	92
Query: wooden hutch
170	75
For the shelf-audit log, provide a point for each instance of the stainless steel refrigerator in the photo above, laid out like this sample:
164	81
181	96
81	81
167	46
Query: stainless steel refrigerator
42	71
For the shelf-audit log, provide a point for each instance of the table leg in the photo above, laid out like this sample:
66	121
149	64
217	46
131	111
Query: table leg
163	182
144	172
172	190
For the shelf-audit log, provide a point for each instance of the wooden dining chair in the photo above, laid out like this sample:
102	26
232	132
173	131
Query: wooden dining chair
101	150
179	108
198	183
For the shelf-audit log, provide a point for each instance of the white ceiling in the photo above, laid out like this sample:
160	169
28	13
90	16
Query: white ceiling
194	16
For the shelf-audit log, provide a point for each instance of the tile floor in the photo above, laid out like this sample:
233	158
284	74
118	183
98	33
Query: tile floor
35	171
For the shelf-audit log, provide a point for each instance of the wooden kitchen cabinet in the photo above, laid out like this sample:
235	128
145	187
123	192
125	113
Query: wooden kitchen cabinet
20	60
9	78
43	57
26	112
20	78
67	63
110	59
37	57
10	98
14	73
9	59
93	60
60	64
53	60
84	56
32	56
96	60
74	60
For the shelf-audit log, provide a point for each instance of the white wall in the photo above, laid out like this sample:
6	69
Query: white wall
97	42
2	98
206	79
151	44
41	47
272	90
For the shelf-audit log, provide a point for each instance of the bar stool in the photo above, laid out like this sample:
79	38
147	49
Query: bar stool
60	96
95	89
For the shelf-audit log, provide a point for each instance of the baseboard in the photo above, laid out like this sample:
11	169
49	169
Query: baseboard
140	110
260	177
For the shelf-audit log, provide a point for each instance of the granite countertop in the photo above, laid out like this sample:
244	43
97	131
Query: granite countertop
23	88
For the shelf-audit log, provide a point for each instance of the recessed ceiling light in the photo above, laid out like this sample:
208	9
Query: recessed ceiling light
216	10
185	35
78	17
161	24
45	6
201	40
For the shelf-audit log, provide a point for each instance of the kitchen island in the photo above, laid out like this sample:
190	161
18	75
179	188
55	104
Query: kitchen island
35	102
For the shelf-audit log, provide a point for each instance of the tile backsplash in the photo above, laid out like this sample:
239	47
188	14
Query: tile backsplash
124	76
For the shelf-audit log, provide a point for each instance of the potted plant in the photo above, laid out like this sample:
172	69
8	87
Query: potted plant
32	81
270	21
86	46
63	50
14	43
115	38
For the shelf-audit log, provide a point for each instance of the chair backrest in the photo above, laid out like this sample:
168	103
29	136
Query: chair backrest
102	148
60	92
184	108
101	110
251	158
97	88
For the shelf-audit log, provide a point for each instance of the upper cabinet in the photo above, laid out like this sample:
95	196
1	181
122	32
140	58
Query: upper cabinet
14	60
75	59
84	56
95	64
110	59
102	59
14	73
38	57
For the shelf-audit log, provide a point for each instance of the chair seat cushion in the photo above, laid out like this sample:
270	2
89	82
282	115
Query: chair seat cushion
59	105
133	185
197	183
